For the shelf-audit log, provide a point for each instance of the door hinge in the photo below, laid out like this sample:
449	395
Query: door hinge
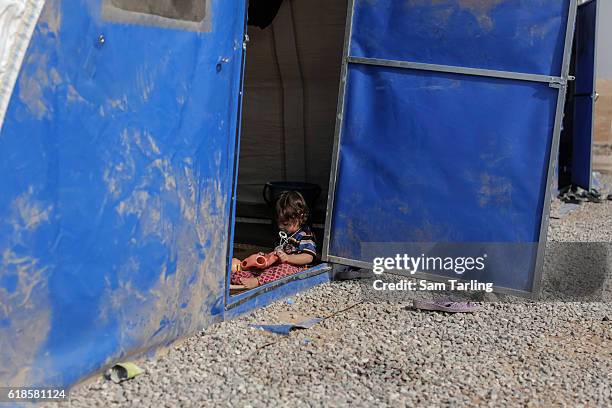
560	82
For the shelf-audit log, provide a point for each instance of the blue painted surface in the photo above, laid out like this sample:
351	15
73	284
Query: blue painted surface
117	163
586	33
508	35
447	158
285	329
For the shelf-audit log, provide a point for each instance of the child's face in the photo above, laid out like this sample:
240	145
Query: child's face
288	226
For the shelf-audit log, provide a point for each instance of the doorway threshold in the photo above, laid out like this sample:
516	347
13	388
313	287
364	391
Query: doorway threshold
263	295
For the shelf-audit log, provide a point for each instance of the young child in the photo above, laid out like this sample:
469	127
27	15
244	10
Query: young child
294	253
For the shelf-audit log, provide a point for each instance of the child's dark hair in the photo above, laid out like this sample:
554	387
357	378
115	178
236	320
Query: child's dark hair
291	207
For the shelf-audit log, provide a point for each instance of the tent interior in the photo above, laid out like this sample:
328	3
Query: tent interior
291	83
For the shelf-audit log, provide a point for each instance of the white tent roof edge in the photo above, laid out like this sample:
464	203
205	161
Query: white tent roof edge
18	20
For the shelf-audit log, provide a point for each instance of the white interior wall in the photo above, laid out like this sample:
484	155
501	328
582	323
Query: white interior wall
291	89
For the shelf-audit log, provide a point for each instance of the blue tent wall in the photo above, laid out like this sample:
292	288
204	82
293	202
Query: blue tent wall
575	150
117	163
584	95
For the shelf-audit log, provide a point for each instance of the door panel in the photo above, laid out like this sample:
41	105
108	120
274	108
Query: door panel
455	158
586	35
582	135
494	34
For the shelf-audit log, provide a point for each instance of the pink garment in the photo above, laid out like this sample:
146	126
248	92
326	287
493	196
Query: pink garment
268	275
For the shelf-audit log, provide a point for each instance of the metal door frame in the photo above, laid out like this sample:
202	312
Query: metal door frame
306	278
234	193
559	82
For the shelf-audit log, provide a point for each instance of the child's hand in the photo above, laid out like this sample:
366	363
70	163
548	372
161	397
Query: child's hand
282	256
250	283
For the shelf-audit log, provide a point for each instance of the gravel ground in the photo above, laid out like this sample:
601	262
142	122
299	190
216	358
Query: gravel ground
386	354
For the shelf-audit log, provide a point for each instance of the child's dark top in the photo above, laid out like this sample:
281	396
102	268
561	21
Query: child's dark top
301	242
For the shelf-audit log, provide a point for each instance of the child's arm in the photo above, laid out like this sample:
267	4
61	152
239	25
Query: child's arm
295	259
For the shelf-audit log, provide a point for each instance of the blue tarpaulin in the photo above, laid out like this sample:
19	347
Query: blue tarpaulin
117	167
449	157
584	95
